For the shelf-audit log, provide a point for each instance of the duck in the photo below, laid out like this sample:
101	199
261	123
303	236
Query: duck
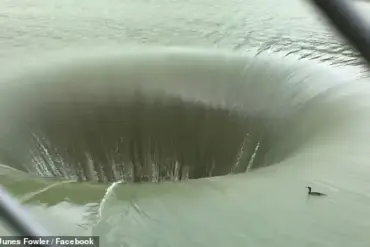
314	193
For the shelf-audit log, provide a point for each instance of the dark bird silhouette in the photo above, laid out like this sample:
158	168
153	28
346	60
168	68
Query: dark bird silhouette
314	193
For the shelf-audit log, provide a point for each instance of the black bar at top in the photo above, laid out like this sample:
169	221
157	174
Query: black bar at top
348	22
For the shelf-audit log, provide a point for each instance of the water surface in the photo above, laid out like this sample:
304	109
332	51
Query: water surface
96	92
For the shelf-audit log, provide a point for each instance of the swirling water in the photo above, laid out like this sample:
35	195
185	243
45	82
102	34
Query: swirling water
171	90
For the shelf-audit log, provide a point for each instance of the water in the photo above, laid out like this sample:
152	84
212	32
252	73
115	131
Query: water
97	92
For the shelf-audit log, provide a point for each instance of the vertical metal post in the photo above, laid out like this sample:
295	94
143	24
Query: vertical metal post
348	22
18	219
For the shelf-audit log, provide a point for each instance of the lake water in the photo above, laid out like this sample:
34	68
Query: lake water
256	99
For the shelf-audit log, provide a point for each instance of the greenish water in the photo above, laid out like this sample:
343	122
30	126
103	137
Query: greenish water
177	123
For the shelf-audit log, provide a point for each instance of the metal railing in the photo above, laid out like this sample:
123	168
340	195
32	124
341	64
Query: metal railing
340	13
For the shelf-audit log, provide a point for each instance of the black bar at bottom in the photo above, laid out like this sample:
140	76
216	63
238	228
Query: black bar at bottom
18	219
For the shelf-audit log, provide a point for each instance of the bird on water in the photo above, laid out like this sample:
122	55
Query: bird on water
314	193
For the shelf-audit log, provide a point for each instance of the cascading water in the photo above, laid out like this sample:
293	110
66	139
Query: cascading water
145	114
